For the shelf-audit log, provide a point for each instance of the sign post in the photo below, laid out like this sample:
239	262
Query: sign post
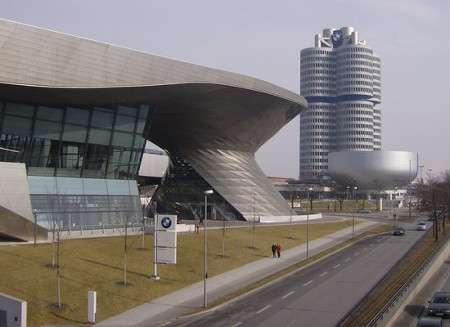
164	241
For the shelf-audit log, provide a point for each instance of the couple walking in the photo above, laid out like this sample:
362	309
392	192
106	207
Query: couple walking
276	250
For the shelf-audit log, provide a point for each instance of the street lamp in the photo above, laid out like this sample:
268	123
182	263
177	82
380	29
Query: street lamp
35	225
205	274
348	188
307	227
354	209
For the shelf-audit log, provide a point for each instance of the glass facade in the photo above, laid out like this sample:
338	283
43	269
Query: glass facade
71	145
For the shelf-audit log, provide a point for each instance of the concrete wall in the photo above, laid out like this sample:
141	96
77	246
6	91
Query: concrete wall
13	312
14	192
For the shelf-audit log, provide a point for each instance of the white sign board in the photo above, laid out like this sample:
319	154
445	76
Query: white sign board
166	239
166	255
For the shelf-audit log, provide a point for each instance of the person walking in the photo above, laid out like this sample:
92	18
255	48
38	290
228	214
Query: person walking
274	250
279	250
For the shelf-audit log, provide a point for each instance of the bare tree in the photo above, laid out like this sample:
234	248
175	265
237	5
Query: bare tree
224	227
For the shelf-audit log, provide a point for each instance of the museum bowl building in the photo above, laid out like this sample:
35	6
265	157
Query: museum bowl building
75	115
373	170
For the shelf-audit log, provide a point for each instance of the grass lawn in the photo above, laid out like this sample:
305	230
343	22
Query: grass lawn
96	264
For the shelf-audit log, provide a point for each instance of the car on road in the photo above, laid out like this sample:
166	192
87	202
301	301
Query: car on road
363	211
399	231
430	322
439	305
421	226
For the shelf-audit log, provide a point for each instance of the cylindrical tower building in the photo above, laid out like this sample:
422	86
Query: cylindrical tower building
340	78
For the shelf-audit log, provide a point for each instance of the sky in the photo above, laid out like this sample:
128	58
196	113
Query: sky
263	39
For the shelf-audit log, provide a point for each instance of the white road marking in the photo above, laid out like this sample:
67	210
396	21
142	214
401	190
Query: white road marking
357	253
285	296
348	259
237	324
337	266
292	323
306	284
323	274
265	308
365	249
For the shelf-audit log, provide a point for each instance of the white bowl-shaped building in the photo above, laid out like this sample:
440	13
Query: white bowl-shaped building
373	170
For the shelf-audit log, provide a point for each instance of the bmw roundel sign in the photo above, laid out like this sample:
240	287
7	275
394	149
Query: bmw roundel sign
166	222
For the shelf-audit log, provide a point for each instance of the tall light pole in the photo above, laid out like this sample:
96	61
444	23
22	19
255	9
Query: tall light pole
409	189
205	273
395	204
35	225
348	188
354	209
307	227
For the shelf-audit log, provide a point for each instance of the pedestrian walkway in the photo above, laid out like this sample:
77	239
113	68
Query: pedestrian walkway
159	311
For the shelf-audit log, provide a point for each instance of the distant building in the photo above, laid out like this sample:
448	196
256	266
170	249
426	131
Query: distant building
340	79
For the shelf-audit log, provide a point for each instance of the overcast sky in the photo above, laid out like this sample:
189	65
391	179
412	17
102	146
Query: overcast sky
263	39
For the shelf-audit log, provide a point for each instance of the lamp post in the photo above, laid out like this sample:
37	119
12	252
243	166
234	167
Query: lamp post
354	209
348	188
205	273
409	189
307	227
421	188
35	225
395	204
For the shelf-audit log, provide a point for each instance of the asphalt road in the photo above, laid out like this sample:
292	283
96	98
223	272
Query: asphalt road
319	295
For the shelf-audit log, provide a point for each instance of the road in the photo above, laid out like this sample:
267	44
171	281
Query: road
416	307
319	295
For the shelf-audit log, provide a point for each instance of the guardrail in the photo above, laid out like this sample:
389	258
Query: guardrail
390	308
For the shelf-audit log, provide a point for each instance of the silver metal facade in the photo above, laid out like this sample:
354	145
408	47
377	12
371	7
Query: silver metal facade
340	78
373	170
213	119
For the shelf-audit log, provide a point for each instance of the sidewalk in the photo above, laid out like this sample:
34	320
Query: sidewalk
187	299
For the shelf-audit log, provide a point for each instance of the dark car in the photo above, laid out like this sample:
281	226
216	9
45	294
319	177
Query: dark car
399	231
439	305
363	211
430	322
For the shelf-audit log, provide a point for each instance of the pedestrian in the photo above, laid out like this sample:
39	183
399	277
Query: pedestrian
279	250
274	250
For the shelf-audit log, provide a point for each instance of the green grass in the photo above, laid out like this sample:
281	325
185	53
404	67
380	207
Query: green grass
96	264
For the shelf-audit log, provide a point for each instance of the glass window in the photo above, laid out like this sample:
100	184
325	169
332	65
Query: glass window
47	130
74	133
49	113
17	109
125	123
99	136
77	116
102	118
143	112
129	111
140	126
17	126
123	139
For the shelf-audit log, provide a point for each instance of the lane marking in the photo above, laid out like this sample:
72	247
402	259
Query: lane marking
365	249
265	308
357	253
237	324
348	259
292	323
285	296
337	266
306	284
323	274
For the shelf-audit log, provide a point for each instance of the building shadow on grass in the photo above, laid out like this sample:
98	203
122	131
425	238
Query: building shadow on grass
113	267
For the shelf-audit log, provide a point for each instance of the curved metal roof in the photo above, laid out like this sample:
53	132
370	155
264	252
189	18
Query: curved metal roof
214	119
